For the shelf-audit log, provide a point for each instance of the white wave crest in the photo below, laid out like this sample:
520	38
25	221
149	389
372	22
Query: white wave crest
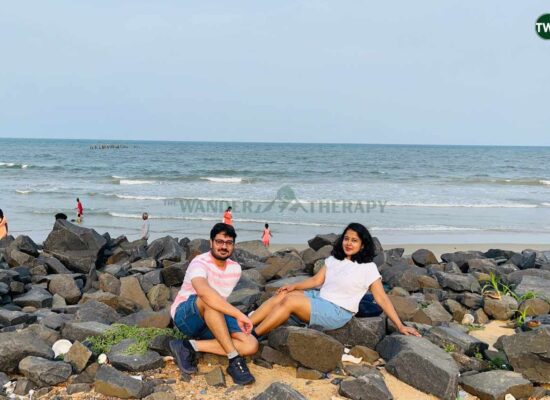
544	182
23	191
130	197
449	205
222	180
135	182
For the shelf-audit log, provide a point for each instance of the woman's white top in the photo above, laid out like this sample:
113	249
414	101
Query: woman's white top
346	282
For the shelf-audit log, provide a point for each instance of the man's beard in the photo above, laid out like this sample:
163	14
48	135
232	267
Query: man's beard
220	257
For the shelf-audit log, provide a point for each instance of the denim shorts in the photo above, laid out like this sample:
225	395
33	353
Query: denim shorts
324	314
189	321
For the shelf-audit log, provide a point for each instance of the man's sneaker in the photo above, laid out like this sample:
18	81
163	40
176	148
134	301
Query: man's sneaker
185	356
239	371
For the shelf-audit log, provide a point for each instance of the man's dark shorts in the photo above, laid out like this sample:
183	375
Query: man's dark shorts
189	321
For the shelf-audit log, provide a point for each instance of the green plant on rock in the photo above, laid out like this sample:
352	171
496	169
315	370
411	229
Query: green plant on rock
497	286
118	332
499	363
530	294
521	318
449	347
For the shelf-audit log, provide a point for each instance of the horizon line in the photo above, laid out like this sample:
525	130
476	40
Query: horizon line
271	142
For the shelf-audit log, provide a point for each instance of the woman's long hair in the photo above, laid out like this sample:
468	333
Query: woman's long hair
366	254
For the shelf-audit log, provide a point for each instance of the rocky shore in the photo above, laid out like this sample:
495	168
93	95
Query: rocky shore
78	284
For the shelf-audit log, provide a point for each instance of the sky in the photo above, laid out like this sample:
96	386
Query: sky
430	72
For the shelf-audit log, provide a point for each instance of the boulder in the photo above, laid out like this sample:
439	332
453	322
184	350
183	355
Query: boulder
361	331
423	257
95	311
495	385
111	382
25	245
406	307
147	319
109	283
254	248
323	240
461	258
75	246
279	391
79	331
173	275
198	246
150	279
529	353
501	309
65	286
303	344
273	356
434	314
534	307
405	276
15	346
159	297
36	297
458	282
123	359
10	318
421	364
369	385
166	248
215	377
130	289
461	341
484	265
44	372
78	356
282	265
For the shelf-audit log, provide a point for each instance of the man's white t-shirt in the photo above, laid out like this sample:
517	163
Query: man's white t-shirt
346	282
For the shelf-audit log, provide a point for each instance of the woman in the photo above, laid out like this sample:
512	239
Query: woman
3	225
228	216
346	276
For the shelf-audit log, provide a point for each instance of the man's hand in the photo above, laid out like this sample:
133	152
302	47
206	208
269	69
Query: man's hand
245	324
286	289
409	331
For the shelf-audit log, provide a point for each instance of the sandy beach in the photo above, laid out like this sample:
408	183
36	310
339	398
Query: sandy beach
311	389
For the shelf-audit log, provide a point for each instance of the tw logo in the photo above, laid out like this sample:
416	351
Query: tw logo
542	26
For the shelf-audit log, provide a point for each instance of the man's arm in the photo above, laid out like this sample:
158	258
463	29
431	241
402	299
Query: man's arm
213	298
218	303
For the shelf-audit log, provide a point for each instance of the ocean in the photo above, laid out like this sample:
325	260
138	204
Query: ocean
403	193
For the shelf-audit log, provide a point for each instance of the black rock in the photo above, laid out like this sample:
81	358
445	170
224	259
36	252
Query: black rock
122	359
75	246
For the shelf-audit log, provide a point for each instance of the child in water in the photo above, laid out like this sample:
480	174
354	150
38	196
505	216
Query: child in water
266	235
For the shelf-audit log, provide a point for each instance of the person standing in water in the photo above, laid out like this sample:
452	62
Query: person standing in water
228	216
145	226
266	235
79	211
3	225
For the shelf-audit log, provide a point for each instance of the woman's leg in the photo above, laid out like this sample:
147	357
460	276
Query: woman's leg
265	309
296	303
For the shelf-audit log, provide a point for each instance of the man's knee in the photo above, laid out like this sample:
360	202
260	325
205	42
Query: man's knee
250	346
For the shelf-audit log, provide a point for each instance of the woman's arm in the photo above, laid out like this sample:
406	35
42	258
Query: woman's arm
382	299
316	280
4	221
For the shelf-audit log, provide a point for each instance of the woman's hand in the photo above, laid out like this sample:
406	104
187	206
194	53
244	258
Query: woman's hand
409	331
286	289
245	324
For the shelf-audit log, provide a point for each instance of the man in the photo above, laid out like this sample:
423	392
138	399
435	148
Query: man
201	311
145	226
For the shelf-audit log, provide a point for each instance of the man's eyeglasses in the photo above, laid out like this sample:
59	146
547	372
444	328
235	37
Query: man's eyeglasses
220	242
